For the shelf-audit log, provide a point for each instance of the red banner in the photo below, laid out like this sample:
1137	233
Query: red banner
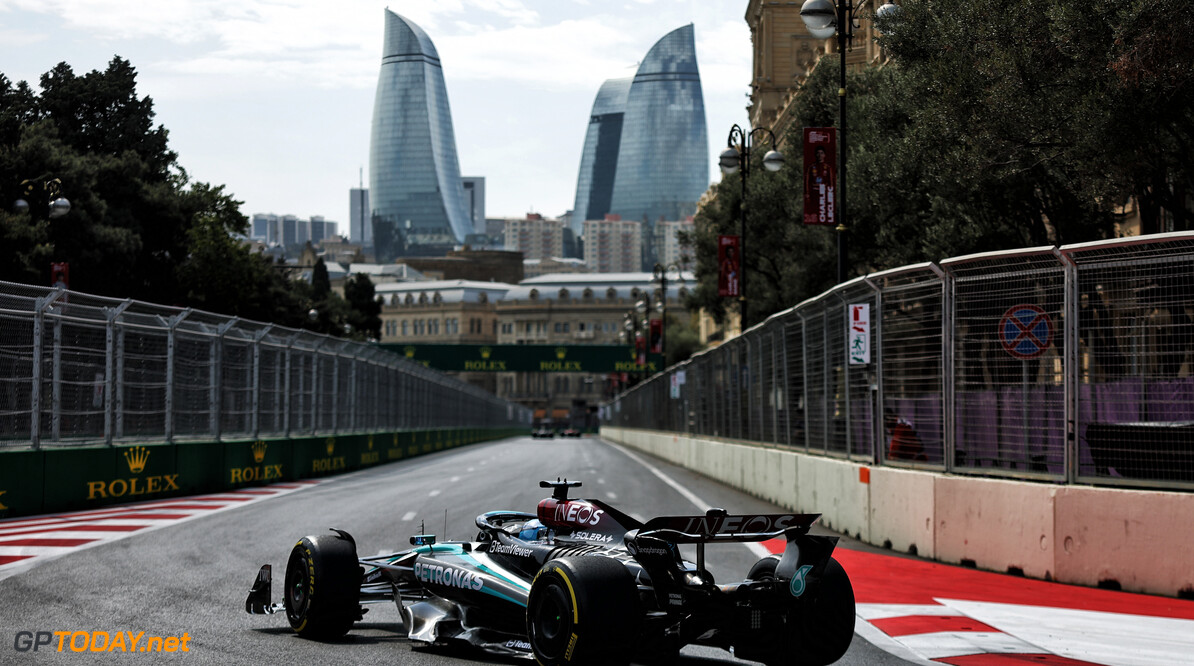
656	336
60	275
820	175
729	272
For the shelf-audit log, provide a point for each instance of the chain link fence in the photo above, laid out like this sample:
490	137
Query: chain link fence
1071	365
78	369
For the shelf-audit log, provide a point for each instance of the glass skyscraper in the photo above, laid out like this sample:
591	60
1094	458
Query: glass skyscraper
415	191
660	166
599	159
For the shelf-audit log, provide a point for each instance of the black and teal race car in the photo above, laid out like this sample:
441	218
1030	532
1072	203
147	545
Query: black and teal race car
580	582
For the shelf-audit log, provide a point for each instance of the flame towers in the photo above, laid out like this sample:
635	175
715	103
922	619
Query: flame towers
414	173
646	152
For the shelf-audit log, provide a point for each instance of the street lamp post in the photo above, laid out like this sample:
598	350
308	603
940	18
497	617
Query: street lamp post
48	202
823	19
660	276
732	160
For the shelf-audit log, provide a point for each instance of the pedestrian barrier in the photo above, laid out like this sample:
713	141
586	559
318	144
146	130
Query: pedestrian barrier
1069	364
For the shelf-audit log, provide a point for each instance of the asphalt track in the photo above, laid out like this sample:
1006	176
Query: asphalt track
190	578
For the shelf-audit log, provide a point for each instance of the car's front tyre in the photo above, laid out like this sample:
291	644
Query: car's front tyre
582	611
323	586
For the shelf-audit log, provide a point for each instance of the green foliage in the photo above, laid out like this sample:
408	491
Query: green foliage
995	125
321	285
137	227
365	314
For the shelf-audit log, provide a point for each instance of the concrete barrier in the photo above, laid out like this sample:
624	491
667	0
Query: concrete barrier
1072	534
1142	540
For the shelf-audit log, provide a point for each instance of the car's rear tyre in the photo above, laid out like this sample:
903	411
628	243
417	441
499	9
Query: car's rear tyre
820	624
323	586
583	611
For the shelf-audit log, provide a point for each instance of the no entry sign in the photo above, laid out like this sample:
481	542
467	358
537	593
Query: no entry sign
1025	331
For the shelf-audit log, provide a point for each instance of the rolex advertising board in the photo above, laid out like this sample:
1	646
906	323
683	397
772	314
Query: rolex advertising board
525	358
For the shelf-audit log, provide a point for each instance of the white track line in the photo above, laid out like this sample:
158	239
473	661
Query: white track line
757	548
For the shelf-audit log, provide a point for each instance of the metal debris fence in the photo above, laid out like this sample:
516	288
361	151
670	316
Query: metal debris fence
77	369
1071	365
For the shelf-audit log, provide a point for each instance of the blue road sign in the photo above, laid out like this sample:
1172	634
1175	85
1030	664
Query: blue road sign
1025	331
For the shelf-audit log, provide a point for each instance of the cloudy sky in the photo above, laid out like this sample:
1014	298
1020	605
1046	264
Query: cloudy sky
274	98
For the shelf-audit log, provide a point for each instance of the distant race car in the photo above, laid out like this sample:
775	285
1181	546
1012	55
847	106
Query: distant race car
543	433
571	432
581	583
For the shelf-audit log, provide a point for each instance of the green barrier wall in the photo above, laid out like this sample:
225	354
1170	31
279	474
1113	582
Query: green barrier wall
21	483
46	481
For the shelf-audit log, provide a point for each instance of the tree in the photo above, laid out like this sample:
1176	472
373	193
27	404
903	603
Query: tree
137	227
365	313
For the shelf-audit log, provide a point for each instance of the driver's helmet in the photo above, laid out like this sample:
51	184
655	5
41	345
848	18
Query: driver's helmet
532	530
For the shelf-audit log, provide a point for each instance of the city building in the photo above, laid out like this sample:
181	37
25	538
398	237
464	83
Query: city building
574	309
536	267
360	230
474	201
613	245
599	157
469	264
646	151
557	309
443	312
535	237
784	55
289	231
669	251
417	197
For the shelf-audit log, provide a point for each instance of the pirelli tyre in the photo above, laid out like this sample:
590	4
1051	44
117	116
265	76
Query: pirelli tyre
583	611
323	586
820	624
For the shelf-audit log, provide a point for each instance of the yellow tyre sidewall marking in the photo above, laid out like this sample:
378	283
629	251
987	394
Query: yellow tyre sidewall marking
572	594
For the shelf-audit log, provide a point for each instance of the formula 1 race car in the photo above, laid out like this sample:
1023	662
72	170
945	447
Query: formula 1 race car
578	583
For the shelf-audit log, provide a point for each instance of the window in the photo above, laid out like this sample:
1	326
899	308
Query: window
611	293
588	293
436	298
559	327
482	297
409	300
563	294
565	327
433	327
580	326
534	294
422	299
405	329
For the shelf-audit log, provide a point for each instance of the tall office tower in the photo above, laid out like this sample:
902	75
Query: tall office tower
660	166
599	158
359	228
474	200
417	197
265	227
289	225
318	229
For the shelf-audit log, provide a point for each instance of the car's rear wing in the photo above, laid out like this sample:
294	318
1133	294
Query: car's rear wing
716	525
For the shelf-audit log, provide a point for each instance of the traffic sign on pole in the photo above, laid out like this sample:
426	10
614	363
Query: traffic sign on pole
1025	331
